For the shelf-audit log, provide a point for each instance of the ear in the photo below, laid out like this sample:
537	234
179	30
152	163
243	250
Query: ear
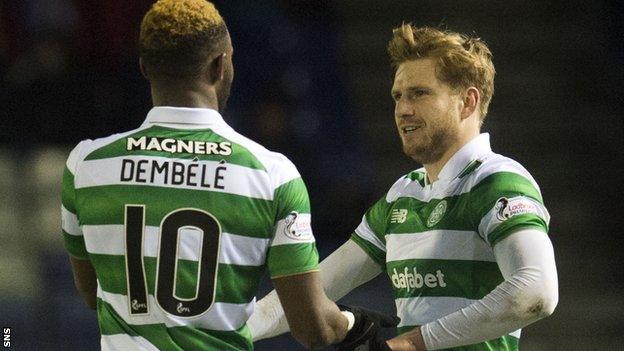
142	67
216	68
471	101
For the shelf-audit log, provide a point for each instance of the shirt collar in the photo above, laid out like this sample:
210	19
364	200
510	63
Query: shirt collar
475	148
184	115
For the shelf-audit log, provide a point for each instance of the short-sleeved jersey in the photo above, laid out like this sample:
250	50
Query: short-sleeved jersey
180	219
435	240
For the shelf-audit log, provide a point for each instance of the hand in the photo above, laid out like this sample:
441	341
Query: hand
364	332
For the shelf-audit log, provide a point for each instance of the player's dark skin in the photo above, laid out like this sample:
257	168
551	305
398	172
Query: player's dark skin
314	319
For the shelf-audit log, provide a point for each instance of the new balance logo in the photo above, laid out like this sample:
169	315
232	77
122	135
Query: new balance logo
398	215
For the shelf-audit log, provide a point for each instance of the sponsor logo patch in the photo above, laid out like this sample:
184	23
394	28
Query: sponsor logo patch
173	146
437	214
298	227
507	208
398	215
411	279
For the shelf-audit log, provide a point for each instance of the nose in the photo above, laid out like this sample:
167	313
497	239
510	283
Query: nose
403	109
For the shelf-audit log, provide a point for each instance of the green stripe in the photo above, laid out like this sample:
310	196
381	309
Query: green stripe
174	338
469	168
378	217
237	214
417	176
373	251
186	279
75	245
68	195
240	155
467	279
292	259
463	211
504	343
235	284
515	223
291	196
484	195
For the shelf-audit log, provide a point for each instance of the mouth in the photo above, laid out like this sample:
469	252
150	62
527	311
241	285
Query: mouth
410	128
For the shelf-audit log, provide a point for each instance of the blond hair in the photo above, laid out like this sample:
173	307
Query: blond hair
177	37
462	61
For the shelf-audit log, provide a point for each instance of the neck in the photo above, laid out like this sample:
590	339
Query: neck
184	96
433	169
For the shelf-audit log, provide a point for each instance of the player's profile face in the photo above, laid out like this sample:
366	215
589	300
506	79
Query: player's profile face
426	111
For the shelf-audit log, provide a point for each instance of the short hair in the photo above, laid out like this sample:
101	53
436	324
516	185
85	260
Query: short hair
178	36
462	61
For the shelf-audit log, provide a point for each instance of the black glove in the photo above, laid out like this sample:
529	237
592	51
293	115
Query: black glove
367	325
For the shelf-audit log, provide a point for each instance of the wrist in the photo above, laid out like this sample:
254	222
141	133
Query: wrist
350	319
410	341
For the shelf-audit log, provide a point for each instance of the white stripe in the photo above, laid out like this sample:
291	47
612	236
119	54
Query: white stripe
282	236
490	222
492	163
236	179
69	222
235	249
438	244
124	342
365	232
424	309
221	316
243	250
420	310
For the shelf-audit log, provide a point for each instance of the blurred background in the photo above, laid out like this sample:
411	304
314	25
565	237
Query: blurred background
313	82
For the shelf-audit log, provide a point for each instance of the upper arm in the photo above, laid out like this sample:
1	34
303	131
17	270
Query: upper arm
505	202
292	249
370	234
72	232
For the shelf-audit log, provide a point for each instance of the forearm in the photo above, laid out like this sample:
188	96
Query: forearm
345	269
528	293
85	281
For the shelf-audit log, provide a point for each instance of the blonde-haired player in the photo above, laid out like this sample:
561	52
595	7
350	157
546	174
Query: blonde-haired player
464	239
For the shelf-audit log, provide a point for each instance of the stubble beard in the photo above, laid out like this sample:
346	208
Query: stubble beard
431	151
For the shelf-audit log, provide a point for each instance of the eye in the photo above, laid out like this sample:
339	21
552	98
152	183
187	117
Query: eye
396	96
417	93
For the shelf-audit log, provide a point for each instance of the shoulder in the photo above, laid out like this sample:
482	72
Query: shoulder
499	171
86	147
499	176
279	167
405	183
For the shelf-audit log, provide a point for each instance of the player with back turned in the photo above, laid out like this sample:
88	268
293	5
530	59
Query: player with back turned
463	239
171	226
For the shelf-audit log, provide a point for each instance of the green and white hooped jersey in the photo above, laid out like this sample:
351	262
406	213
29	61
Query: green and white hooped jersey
436	240
181	218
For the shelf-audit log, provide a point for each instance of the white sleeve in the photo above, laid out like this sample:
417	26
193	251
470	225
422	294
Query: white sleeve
345	269
529	293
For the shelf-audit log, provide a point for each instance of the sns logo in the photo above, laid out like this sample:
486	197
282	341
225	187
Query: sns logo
137	306
182	309
412	280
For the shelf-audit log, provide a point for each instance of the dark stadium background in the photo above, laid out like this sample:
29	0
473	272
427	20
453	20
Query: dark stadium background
312	81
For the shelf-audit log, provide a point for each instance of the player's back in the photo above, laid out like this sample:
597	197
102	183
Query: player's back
177	218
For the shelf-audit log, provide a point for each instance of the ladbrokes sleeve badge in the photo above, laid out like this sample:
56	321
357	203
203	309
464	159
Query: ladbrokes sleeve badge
507	208
297	226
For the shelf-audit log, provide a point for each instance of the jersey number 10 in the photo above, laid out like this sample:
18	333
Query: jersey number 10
166	261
